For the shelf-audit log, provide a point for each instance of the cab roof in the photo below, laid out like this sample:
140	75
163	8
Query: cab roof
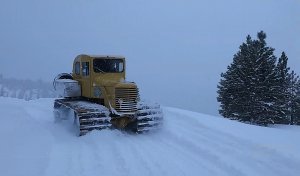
98	56
105	56
101	56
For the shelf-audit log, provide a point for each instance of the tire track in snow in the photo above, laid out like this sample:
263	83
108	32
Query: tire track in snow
202	155
225	152
154	152
182	163
121	161
96	158
134	157
192	158
193	148
232	147
87	161
107	147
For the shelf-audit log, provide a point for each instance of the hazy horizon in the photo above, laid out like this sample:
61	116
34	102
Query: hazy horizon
175	50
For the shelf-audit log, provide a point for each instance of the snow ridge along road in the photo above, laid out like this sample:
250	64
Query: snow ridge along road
189	144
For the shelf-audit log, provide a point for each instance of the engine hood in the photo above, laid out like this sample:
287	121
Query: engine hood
113	81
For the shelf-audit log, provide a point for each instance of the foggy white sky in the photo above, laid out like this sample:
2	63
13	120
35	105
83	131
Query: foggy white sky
175	49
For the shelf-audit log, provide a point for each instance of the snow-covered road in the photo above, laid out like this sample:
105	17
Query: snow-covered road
189	144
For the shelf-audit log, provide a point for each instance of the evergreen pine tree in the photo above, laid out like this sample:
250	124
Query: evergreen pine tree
235	89
247	90
296	115
294	98
283	96
1	86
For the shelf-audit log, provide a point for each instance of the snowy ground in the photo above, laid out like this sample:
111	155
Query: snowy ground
189	144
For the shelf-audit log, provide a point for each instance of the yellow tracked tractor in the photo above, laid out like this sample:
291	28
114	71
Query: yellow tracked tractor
99	97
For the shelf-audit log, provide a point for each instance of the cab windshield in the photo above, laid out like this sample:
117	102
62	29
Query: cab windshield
108	65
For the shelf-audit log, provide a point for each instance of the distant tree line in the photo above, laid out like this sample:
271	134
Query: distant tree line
258	87
25	89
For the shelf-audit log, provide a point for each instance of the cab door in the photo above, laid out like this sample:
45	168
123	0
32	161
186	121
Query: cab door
86	78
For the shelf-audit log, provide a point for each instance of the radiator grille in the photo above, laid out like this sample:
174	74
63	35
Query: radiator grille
126	99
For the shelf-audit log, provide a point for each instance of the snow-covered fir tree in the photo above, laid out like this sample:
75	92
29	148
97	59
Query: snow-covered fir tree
247	90
296	115
283	96
294	98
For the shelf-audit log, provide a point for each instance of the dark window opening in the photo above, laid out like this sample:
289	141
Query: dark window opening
108	65
77	68
85	69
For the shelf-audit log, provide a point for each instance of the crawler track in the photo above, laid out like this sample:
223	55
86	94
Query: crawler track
149	117
87	116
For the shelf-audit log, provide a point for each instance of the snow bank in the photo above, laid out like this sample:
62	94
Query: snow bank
189	144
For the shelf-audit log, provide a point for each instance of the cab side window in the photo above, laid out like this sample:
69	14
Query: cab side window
85	69
77	68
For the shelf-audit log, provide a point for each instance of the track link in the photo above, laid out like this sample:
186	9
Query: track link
88	116
149	117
